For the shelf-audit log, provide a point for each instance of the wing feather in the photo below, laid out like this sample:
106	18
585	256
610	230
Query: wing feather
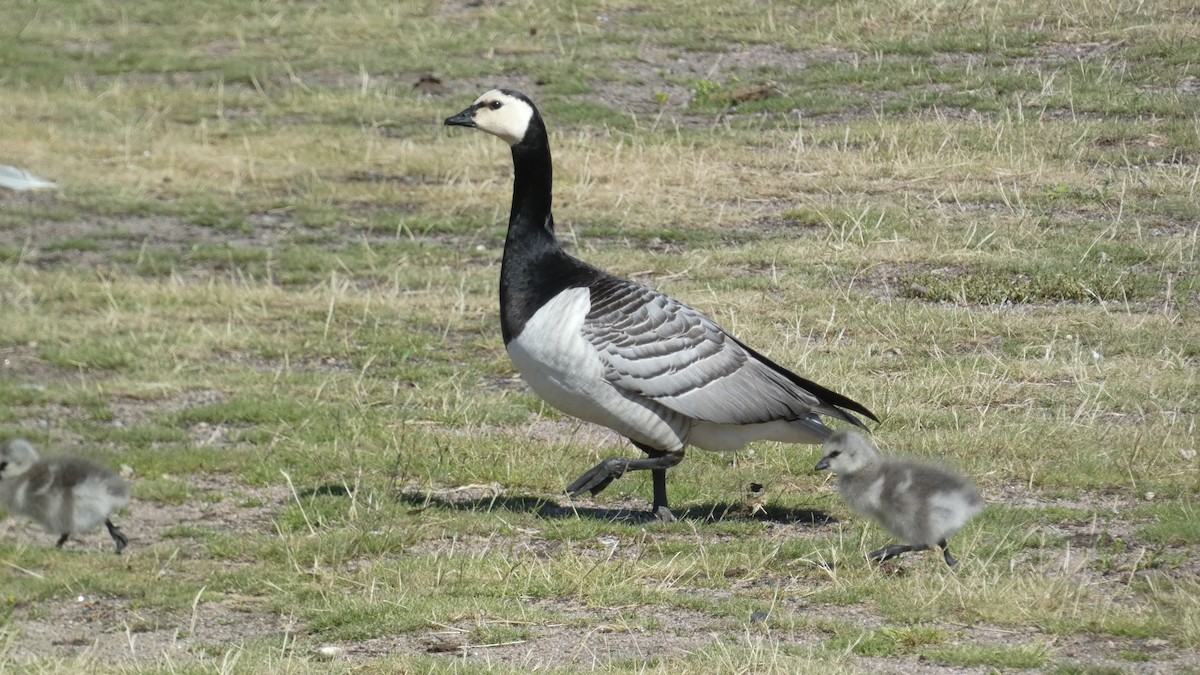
658	347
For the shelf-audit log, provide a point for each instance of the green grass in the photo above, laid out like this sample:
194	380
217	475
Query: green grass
266	287
968	655
1174	524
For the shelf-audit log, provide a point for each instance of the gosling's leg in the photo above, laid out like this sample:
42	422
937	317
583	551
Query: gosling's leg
117	536
950	561
889	552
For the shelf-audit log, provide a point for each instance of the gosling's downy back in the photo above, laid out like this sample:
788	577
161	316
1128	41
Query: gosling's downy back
925	504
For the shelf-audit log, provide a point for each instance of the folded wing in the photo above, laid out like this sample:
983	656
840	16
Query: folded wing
656	346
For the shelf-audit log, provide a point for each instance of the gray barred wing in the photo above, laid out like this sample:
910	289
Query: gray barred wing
658	347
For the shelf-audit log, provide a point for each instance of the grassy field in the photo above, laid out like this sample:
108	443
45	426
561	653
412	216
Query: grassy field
266	289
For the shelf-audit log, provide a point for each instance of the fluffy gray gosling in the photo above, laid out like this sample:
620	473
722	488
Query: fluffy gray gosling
66	495
920	504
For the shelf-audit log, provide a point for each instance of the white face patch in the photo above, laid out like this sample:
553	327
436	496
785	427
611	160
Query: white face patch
502	115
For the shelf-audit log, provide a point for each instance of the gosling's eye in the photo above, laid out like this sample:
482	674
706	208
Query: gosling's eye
494	105
835	453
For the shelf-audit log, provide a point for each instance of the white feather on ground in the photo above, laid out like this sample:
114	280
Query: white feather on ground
19	179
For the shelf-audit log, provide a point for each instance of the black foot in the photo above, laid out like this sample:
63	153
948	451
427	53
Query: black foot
117	536
950	561
889	552
598	477
62	540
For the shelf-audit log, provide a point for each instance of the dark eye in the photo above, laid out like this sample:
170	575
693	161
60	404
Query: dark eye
494	105
835	453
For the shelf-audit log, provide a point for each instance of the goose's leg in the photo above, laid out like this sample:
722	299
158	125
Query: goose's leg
946	554
889	552
117	536
62	540
657	462
659	477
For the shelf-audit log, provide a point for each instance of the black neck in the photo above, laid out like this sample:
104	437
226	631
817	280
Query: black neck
532	180
535	267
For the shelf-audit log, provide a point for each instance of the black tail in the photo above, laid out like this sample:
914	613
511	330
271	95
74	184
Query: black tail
836	401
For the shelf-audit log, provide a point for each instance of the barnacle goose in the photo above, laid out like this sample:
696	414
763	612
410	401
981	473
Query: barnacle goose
617	353
65	495
918	503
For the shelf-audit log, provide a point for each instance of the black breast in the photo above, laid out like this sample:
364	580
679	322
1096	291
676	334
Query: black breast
530	279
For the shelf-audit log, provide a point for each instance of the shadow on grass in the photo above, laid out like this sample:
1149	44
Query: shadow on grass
546	508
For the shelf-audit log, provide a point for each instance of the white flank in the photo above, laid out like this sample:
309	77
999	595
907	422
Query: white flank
734	437
565	370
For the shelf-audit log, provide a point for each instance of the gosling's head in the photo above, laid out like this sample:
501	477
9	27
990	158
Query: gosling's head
500	112
16	457
847	452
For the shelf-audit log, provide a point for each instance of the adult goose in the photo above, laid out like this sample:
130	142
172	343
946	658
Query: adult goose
623	355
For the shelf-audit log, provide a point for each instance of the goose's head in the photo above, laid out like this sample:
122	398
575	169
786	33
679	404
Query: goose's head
500	112
16	456
847	452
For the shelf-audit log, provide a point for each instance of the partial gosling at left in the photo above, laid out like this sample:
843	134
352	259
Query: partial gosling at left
64	494
920	504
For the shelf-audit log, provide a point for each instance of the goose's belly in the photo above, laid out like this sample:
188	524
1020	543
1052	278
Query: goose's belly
733	437
566	371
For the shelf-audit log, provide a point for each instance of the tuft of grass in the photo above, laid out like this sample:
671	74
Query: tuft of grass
1173	525
991	656
1028	286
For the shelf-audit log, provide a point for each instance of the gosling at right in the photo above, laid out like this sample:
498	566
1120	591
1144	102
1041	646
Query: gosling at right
920	504
64	494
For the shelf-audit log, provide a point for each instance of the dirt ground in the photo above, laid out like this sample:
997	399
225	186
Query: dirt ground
108	630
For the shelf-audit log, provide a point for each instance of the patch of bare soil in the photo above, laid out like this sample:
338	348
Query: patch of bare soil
109	631
659	84
898	283
597	638
113	630
1071	654
111	240
1106	551
54	421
